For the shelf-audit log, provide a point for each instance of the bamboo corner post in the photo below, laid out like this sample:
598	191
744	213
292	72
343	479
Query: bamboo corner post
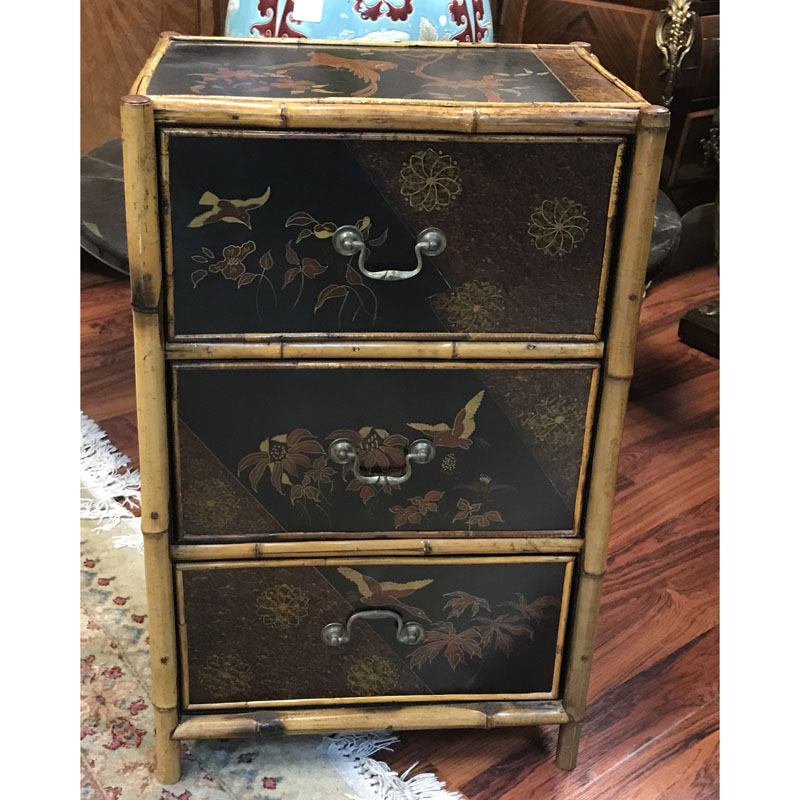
144	248
618	371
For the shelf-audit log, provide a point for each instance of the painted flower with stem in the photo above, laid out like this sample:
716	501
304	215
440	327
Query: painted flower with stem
281	455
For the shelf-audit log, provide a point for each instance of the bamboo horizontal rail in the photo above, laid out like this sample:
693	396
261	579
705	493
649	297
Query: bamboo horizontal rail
397	115
349	720
392	547
363	349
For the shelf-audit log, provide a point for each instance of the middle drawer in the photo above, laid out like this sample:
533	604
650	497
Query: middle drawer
266	450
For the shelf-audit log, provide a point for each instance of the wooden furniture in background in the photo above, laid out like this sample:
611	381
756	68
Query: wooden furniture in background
623	34
586	135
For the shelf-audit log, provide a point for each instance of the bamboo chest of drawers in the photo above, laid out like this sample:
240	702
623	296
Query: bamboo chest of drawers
385	299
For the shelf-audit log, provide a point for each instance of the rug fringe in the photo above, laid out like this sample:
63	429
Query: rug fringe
114	488
374	780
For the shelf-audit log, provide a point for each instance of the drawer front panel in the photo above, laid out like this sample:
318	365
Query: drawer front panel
251	632
250	217
252	449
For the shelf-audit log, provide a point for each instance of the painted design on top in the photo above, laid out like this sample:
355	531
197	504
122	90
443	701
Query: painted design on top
228	210
430	180
426	74
557	226
369	20
385	593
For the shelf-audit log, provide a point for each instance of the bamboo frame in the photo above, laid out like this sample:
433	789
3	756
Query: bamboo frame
375	547
144	249
530	364
644	126
183	640
296	722
618	369
521	345
451	350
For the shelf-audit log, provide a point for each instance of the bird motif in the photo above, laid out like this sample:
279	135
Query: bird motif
227	210
368	71
458	434
376	593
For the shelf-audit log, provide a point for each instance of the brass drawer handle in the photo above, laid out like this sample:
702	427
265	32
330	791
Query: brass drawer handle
347	241
335	633
343	451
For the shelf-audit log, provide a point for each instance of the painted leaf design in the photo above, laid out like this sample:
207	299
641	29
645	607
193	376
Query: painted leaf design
465	509
296	493
325	230
502	630
327	293
290	275
379	240
197	276
247	277
291	256
300	218
483	520
460	601
312	267
353	277
200	259
363	224
532	611
302	235
457	646
208	252
404	515
265	262
429	502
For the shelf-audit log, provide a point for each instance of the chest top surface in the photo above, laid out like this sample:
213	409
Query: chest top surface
291	70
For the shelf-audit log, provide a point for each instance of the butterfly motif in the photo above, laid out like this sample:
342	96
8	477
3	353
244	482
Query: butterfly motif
228	210
386	593
457	434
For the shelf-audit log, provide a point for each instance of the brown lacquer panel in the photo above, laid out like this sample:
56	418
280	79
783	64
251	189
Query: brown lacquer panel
251	216
469	74
490	628
253	461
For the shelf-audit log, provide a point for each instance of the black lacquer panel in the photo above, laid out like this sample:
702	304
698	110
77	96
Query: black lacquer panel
252	449
306	71
252	218
254	633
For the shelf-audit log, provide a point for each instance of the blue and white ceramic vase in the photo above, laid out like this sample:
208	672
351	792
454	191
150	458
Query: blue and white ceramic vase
367	20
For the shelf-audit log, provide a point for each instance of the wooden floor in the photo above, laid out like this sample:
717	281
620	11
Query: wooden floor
653	726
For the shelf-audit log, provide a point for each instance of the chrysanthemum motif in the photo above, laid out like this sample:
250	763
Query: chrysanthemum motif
473	306
372	676
282	606
558	225
226	675
556	421
430	180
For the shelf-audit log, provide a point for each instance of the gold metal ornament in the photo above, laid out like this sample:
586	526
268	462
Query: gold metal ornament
674	37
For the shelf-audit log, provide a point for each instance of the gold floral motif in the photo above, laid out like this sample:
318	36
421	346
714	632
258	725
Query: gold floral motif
282	606
226	675
473	306
372	676
558	225
430	180
556	421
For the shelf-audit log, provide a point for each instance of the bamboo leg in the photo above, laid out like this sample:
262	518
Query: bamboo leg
569	738
618	369
144	251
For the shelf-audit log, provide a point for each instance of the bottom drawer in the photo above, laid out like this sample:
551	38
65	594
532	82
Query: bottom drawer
261	633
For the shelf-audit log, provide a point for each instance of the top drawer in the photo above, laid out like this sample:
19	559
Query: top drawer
251	221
